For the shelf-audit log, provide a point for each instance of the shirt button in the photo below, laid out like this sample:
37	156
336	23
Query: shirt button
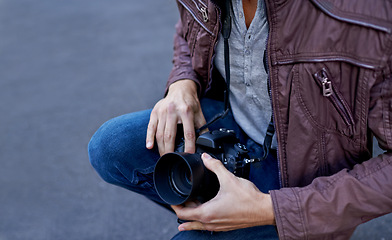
240	15
247	84
247	51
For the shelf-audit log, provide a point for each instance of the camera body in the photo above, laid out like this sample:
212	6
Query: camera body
179	176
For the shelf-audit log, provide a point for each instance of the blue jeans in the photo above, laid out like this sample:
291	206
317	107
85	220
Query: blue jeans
117	152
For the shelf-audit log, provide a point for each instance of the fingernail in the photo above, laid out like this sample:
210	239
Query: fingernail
206	156
181	229
149	145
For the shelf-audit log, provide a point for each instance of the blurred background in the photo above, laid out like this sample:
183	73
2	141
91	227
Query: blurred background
67	66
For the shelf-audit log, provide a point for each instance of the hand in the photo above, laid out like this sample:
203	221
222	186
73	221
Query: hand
181	105
238	204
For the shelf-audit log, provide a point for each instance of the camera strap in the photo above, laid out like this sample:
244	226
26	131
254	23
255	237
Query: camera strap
226	30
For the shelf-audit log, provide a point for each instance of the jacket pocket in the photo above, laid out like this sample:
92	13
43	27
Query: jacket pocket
326	99
328	90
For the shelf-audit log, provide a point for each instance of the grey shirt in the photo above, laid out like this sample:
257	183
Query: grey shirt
249	98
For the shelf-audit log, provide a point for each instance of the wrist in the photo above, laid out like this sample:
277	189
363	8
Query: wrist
268	217
184	85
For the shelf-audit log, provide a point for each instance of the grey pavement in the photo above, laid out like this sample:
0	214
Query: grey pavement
67	66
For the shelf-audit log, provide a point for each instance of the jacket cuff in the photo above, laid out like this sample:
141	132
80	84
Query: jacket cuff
289	219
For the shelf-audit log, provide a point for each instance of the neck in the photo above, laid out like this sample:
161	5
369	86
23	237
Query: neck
250	7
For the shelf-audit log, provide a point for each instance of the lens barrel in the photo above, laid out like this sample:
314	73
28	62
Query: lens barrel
179	177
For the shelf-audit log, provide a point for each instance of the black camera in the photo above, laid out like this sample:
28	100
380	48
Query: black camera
179	176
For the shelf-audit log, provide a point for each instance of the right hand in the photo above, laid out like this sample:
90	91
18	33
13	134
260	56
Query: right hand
180	106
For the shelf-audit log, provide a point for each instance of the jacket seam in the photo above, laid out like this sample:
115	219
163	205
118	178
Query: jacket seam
363	111
301	216
323	154
328	56
211	52
373	170
387	120
354	18
276	203
388	135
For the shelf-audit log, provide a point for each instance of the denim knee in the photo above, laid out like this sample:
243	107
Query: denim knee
101	153
117	150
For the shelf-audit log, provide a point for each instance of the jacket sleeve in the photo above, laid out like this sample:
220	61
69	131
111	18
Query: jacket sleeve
182	61
331	207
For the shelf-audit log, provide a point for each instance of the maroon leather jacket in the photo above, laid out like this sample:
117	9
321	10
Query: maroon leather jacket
330	68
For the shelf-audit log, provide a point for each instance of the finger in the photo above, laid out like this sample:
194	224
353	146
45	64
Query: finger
176	207
192	204
151	130
187	213
189	132
200	120
170	129
159	135
201	124
191	226
204	131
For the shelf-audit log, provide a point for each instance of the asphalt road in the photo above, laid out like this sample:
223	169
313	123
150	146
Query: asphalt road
67	66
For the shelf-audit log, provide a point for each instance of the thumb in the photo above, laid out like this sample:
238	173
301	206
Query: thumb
215	166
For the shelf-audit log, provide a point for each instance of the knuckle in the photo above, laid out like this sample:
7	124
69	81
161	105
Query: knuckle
210	227
206	217
168	136
216	164
189	135
151	127
185	109
159	135
171	107
156	108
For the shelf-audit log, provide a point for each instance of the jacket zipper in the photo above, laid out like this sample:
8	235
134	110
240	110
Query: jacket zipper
267	66
202	9
334	96
205	17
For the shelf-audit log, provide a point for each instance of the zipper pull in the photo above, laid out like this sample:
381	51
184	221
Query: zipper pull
327	87
203	11
326	84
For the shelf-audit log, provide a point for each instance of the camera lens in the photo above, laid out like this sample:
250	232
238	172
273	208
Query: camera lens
174	177
180	178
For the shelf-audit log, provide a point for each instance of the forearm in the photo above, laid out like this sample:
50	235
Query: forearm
335	204
182	63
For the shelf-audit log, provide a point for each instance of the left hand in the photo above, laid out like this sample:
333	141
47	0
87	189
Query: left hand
238	204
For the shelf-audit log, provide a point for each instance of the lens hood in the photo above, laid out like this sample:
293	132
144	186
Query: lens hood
179	177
